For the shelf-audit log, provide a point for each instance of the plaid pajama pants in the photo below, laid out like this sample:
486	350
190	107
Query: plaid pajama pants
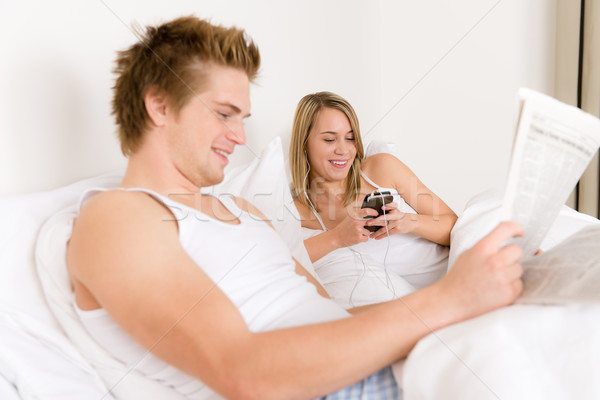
379	386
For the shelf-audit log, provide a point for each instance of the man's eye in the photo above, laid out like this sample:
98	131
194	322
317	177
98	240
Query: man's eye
223	115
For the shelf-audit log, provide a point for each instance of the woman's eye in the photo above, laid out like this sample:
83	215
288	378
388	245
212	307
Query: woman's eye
350	138
329	140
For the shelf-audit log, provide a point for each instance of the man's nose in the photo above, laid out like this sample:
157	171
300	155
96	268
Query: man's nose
237	133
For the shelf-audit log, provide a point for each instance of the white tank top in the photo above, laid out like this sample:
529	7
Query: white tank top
249	262
379	270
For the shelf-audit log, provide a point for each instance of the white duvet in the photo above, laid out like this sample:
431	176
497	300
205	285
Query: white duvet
518	352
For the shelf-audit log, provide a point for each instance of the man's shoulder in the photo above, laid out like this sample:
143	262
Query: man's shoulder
118	228
118	211
119	202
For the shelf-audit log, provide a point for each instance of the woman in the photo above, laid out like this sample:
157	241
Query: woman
330	180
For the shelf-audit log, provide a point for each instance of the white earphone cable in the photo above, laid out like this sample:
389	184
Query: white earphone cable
388	281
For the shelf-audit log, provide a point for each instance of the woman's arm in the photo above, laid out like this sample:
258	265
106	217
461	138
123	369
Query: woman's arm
434	219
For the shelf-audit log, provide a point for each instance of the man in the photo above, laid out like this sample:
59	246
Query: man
218	297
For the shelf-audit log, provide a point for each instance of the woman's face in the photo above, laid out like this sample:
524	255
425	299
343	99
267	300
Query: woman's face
331	148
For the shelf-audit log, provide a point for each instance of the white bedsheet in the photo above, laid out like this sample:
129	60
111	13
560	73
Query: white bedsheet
40	363
518	352
7	390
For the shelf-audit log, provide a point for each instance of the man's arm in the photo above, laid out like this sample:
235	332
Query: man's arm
125	253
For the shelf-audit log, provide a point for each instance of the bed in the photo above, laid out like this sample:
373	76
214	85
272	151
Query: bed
518	352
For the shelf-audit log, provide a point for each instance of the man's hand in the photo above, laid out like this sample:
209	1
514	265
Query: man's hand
487	276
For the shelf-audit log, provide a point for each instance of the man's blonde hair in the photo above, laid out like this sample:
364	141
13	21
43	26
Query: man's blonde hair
173	58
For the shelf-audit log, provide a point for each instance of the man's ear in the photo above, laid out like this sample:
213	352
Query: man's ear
156	103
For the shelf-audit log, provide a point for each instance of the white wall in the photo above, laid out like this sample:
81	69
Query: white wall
450	73
436	77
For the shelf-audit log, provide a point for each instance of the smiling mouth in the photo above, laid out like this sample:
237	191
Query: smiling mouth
221	152
338	164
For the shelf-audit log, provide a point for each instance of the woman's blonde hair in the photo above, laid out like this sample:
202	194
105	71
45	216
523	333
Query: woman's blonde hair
305	117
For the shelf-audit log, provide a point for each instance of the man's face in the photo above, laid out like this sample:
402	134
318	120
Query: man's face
209	126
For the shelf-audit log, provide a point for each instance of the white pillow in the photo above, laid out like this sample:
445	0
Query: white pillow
482	214
379	146
37	358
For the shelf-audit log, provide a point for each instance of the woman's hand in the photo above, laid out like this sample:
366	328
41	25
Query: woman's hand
434	219
397	222
352	228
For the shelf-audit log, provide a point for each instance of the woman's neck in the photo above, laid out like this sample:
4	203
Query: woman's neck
321	189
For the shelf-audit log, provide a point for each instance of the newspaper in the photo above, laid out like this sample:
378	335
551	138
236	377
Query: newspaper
553	145
567	273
